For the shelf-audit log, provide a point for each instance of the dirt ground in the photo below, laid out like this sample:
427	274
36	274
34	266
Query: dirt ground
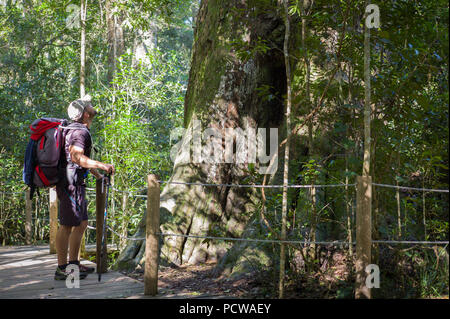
198	280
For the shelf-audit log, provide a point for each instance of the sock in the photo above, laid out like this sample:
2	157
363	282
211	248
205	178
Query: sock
74	262
62	267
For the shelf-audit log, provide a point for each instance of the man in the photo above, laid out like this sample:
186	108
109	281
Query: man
72	193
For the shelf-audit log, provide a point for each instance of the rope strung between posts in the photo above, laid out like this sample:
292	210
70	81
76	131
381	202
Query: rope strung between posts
279	186
257	186
258	240
236	239
412	188
282	241
262	186
412	242
227	185
124	237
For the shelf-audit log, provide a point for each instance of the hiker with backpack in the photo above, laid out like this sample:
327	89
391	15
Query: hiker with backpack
58	154
73	215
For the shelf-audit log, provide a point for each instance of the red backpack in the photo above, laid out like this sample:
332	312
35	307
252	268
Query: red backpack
44	154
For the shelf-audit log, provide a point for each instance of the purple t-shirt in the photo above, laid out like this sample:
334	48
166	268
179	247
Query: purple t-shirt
79	137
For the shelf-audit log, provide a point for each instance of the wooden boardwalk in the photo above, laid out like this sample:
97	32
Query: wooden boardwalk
27	272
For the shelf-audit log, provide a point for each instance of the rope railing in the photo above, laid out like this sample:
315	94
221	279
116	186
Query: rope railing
233	239
256	186
304	242
410	242
406	188
412	188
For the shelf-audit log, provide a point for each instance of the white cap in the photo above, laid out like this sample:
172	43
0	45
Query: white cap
76	108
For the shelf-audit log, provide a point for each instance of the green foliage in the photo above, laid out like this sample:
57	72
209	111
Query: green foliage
138	113
39	77
414	272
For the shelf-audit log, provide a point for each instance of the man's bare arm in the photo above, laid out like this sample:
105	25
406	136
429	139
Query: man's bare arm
77	156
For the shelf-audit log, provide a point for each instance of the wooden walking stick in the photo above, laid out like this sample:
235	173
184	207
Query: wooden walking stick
104	224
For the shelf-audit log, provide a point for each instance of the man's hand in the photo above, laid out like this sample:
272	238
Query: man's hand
109	168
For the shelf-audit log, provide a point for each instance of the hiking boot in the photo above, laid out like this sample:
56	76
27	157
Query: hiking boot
62	274
86	269
83	268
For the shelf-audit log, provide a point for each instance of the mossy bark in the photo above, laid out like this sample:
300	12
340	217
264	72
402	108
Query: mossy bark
226	71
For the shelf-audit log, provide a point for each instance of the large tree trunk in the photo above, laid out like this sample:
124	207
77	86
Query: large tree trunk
222	94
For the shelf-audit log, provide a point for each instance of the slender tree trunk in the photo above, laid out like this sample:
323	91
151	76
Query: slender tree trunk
286	150
397	197
111	41
366	163
124	229
348	209
303	6
424	212
349	202
114	38
312	190
399	216
83	11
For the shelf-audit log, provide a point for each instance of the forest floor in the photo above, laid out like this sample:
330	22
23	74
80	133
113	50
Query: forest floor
199	280
333	277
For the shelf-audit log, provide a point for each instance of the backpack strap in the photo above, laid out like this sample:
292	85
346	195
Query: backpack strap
42	176
76	126
33	189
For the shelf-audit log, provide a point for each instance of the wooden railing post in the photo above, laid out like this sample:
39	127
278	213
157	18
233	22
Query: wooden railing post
100	198
363	234
152	237
53	207
27	217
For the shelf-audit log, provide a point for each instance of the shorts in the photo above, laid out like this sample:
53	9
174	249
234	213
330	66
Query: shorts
72	205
